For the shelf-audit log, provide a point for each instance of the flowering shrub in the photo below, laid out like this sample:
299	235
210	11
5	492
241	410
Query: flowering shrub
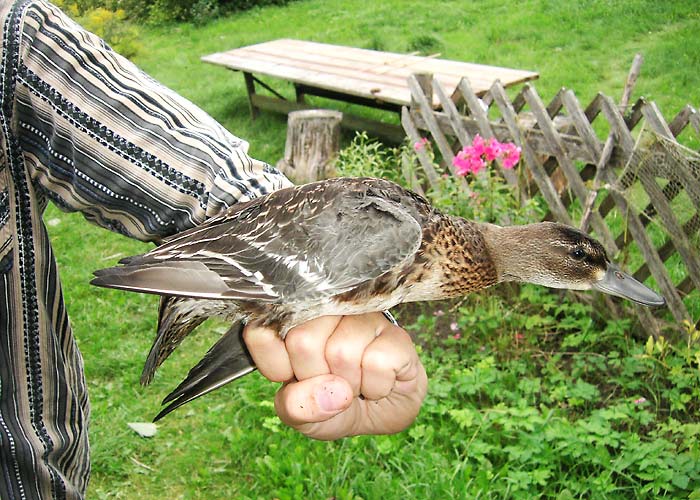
488	197
164	11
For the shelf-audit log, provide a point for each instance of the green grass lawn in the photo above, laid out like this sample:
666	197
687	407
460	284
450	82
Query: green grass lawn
540	398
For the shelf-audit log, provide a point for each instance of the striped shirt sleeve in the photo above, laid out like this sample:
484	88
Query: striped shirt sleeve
101	137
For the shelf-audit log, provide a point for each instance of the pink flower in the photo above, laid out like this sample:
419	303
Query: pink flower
467	162
519	337
640	401
421	144
511	155
478	145
439	312
460	164
492	150
457	336
481	153
454	326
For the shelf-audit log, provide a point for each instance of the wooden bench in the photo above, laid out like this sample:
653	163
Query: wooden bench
360	76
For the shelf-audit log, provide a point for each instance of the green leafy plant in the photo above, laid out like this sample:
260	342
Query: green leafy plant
112	27
535	393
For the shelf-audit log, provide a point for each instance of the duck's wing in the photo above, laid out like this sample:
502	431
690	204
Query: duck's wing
293	246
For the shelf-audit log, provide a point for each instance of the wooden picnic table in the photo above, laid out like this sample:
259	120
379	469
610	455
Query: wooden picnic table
360	76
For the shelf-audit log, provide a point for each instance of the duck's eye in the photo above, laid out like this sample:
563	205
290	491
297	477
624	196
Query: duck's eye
578	253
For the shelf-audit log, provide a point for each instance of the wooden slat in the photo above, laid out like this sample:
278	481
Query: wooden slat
667	250
594	108
658	270
695	121
413	134
519	101
681	120
635	115
555	104
543	181
617	123
416	64
331	64
452	114
567	166
583	126
425	109
476	108
673	227
654	118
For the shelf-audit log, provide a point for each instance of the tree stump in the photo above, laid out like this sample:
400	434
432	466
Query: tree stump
313	141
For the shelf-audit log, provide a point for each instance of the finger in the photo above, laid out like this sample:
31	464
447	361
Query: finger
385	416
306	346
313	400
269	352
389	358
397	411
345	348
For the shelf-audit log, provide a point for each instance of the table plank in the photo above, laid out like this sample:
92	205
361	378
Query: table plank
306	76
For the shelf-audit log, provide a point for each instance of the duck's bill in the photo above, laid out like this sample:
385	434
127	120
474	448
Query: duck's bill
620	284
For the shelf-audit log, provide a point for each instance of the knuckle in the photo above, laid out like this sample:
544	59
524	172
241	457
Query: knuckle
377	360
280	375
339	356
300	340
255	337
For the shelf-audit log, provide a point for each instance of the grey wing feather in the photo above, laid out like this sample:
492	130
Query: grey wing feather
294	248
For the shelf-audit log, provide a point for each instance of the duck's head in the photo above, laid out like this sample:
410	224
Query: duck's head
560	256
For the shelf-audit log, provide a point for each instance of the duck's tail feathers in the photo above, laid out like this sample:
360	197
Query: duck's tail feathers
226	361
177	317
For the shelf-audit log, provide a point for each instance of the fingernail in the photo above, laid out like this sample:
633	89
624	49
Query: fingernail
332	396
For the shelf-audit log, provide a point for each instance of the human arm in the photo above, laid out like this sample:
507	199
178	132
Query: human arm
101	137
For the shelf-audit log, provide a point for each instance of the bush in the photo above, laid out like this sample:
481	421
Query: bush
491	198
109	23
537	396
113	28
165	11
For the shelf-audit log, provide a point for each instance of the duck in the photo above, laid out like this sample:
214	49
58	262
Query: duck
341	246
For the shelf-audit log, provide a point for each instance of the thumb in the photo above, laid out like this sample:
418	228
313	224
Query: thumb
315	399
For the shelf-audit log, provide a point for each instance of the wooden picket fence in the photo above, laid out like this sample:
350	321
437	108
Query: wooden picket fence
637	172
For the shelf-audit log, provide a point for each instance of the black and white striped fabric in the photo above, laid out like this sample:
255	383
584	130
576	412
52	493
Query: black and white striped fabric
84	128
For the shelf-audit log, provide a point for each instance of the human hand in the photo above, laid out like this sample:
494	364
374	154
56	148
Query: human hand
343	375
